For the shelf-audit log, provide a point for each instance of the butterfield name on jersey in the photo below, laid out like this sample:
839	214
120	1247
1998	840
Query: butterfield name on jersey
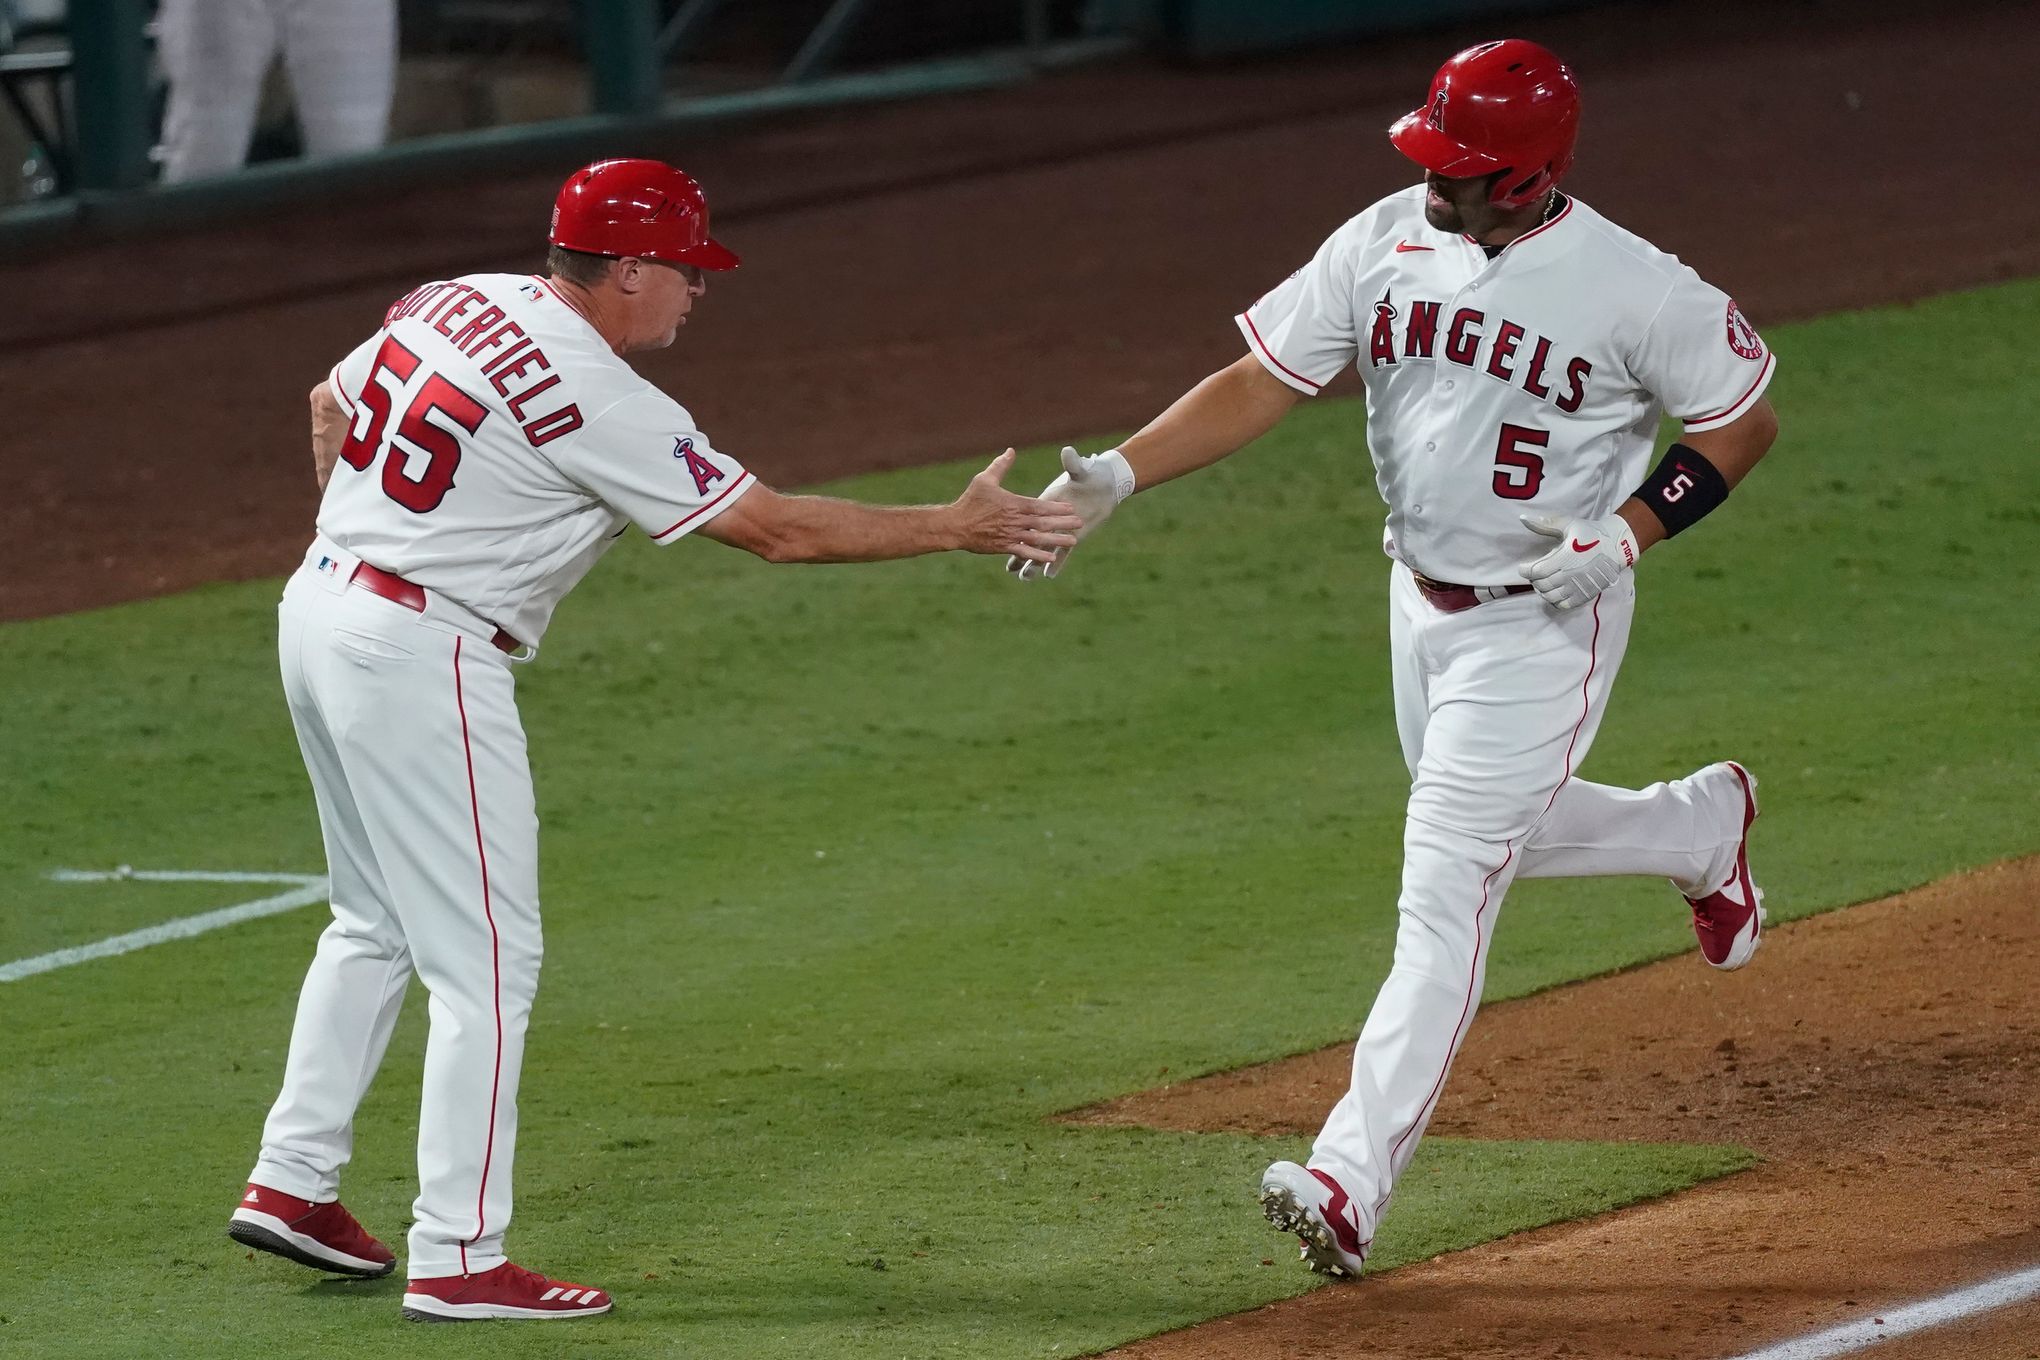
483	326
515	446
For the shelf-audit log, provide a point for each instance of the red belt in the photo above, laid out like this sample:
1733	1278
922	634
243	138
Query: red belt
1450	599
397	590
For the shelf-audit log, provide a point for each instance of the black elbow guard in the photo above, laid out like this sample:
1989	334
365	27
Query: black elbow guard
1683	489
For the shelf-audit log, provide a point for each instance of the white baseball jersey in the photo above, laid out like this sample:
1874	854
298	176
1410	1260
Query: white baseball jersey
497	447
1532	381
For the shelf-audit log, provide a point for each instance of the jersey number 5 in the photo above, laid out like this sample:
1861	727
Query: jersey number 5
439	444
1512	457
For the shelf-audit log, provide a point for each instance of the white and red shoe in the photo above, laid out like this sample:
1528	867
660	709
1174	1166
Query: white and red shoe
322	1236
1307	1202
1730	920
508	1291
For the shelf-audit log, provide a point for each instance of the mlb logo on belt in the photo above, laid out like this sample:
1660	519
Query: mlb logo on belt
328	565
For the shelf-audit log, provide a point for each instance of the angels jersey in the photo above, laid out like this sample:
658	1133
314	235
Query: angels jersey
1534	381
496	447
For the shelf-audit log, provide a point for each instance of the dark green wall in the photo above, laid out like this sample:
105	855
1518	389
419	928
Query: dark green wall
1206	28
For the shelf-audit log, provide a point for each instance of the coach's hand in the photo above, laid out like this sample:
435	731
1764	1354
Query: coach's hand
991	519
1590	554
1094	487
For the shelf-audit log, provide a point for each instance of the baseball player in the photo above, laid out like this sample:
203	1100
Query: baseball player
478	453
1518	351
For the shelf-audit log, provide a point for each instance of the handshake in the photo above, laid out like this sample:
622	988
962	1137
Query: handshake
1036	534
1090	488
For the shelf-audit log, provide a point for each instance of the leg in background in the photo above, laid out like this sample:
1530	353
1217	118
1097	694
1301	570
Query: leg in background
216	54
342	59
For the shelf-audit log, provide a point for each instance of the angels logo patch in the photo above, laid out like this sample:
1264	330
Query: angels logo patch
1437	115
705	473
1381	335
1742	336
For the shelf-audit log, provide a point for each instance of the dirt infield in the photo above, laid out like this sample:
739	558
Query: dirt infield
1881	1061
939	279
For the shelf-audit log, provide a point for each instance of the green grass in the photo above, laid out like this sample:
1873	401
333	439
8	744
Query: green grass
854	876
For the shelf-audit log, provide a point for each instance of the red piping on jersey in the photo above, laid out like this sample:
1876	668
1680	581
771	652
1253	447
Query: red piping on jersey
1762	373
1541	226
1473	973
495	959
1256	334
546	283
699	511
333	386
561	298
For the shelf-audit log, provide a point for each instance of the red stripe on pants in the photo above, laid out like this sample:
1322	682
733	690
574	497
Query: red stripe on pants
495	958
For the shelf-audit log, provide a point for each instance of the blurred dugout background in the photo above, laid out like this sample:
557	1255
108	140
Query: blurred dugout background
88	84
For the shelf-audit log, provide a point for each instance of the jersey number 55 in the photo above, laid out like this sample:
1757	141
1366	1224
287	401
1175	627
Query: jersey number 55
439	445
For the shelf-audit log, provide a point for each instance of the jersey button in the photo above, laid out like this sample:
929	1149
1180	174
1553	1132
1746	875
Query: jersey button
1448	384
1430	448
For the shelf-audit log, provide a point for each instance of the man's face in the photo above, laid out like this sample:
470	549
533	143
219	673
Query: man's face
668	295
1459	204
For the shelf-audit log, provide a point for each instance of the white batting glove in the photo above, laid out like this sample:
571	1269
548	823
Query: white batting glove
1094	486
1590	554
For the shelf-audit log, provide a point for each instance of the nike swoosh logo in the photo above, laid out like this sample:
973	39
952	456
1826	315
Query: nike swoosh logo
1578	546
1401	246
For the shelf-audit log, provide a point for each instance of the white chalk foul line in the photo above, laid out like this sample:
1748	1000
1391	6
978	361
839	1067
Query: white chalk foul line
1914	1317
175	876
307	889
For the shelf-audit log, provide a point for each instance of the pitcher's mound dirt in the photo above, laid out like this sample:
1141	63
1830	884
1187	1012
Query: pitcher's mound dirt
1882	1060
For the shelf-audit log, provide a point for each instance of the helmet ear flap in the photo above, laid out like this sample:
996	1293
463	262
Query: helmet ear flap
1510	192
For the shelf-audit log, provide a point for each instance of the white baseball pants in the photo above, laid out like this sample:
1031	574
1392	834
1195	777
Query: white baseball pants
1496	706
342	60
409	728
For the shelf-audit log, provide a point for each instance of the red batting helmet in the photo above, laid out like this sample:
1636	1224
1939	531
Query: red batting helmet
634	207
1508	105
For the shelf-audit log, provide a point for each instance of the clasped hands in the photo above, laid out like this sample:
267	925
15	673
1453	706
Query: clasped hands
1091	486
1588	557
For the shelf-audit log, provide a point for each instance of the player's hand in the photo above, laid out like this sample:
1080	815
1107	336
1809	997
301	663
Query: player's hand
1094	486
1590	554
991	519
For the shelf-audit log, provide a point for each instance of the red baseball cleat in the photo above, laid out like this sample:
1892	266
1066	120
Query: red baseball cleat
1309	1203
1730	920
322	1236
508	1291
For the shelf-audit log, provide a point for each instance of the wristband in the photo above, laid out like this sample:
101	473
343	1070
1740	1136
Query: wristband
1122	473
1683	489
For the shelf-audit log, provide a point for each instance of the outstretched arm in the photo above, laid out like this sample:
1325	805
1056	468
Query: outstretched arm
1221	415
986	518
